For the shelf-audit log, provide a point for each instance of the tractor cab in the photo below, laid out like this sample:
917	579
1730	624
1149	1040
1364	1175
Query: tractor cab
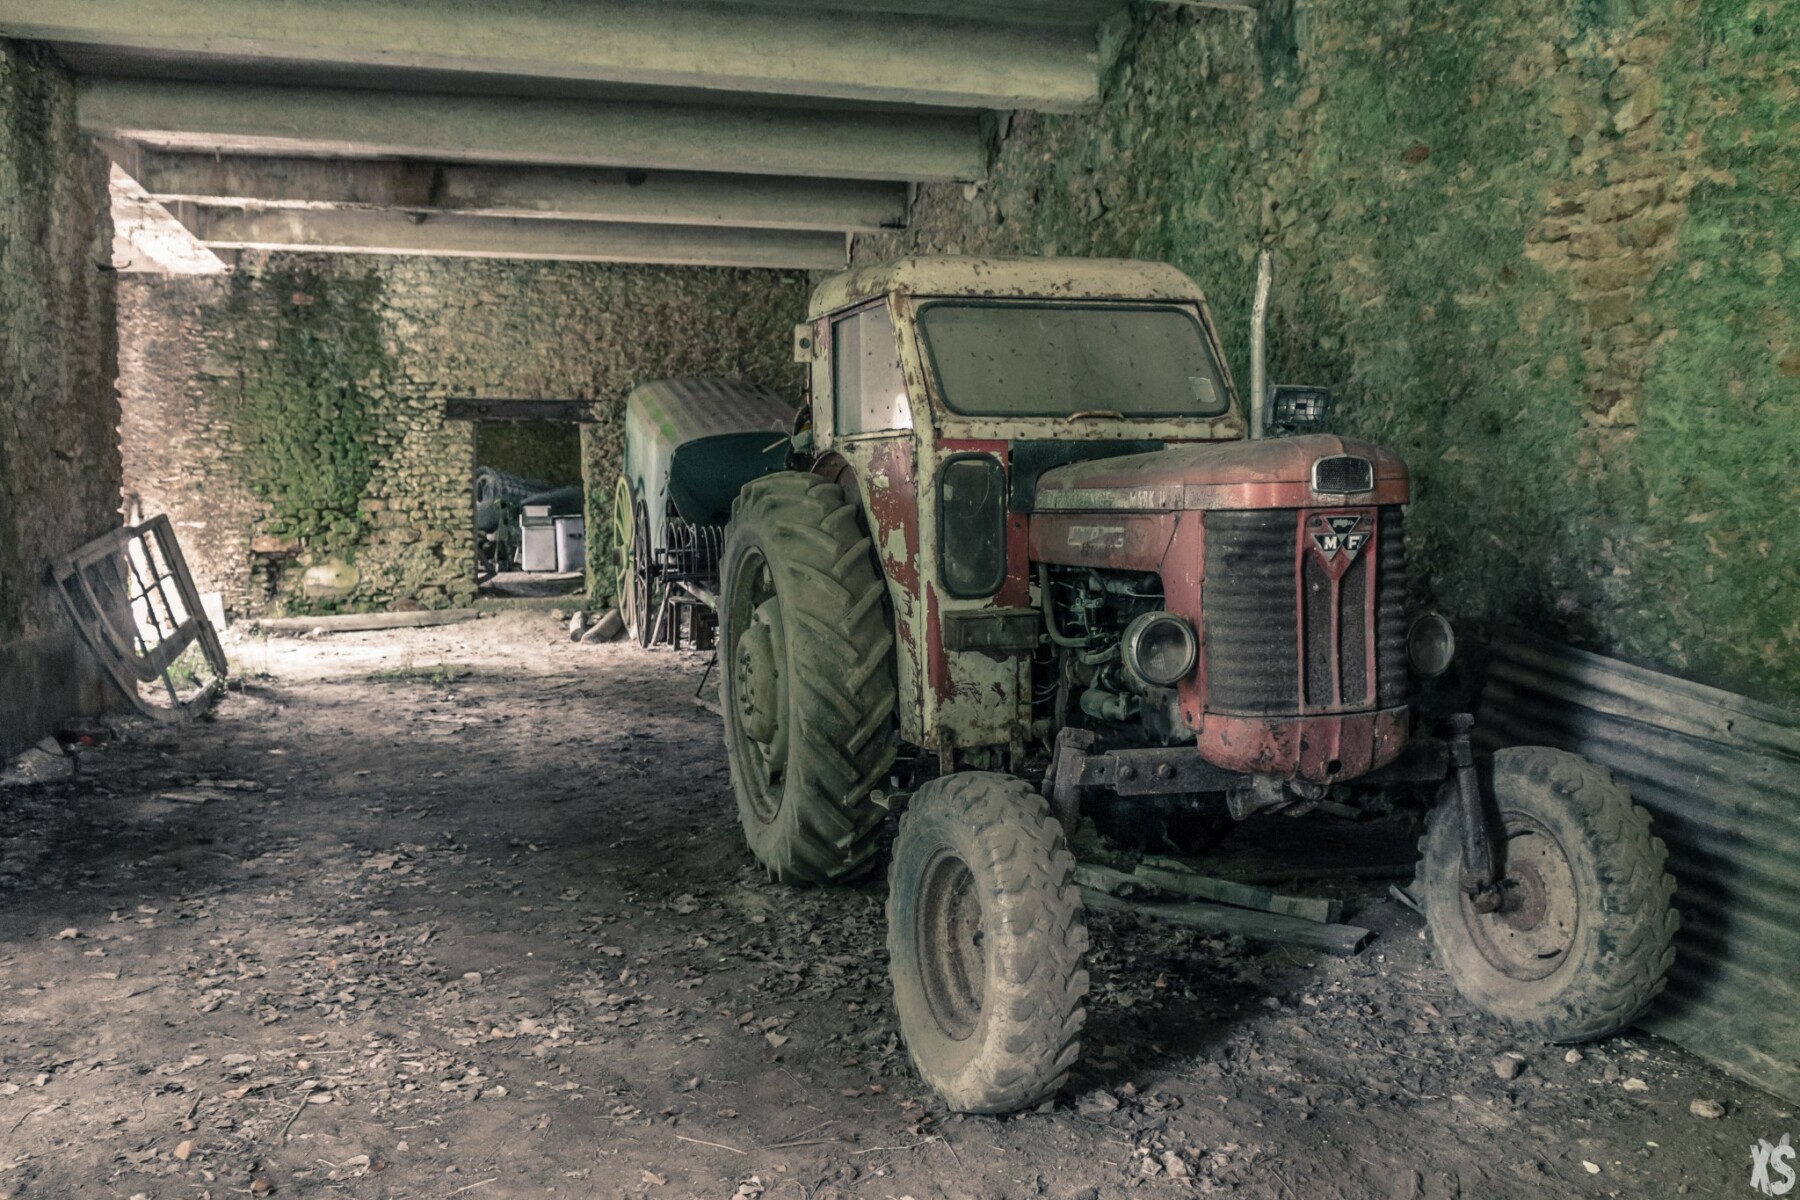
943	390
1040	447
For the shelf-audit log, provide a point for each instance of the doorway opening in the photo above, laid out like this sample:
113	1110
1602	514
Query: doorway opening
530	532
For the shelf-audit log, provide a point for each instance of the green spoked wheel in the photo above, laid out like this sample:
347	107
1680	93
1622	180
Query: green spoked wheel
624	547
635	582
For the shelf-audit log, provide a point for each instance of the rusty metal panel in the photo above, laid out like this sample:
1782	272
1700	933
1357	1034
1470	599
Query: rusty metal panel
1720	774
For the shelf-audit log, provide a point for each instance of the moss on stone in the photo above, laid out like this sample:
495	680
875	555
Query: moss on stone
310	370
1715	564
1546	251
324	378
59	464
540	450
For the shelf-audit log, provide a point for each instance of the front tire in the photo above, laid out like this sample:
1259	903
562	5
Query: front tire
986	937
807	683
1583	941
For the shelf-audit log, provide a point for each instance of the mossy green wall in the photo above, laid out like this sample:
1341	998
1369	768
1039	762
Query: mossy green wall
59	462
1549	250
303	399
306	397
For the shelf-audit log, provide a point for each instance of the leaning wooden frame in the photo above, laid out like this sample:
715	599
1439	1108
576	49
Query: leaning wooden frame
133	601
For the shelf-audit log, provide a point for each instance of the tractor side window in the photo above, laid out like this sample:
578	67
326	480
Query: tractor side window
865	361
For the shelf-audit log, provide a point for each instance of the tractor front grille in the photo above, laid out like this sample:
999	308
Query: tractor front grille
1247	612
1280	638
1392	684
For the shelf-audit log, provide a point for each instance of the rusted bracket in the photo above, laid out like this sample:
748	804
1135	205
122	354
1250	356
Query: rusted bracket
1157	772
1062	786
133	601
1480	869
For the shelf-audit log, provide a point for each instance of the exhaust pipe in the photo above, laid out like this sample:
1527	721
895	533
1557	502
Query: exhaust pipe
1259	345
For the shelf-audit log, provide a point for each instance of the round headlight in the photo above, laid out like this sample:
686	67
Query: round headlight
1430	645
1159	648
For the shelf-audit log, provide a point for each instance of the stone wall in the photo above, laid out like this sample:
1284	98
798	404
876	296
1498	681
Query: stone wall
1550	250
59	465
290	415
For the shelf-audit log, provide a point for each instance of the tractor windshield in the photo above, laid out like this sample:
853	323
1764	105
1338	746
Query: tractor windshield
1036	359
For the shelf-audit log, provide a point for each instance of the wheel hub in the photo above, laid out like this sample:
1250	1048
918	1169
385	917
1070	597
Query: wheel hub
1524	905
952	948
755	664
757	683
1530	935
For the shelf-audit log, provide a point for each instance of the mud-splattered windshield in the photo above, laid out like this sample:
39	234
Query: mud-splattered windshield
1002	359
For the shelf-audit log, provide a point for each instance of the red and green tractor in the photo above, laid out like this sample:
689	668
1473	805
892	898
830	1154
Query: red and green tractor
1032	560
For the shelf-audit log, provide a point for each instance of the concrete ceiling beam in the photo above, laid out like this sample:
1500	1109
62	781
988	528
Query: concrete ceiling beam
592	194
847	55
354	232
334	123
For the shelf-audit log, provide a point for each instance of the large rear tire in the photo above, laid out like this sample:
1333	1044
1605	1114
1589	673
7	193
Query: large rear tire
807	683
986	937
1583	941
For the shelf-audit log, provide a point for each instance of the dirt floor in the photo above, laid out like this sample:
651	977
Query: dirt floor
465	912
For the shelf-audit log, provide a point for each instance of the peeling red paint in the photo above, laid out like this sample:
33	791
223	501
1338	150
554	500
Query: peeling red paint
894	506
1305	747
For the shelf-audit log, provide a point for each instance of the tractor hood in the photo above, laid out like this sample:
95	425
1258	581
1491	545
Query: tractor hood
1206	475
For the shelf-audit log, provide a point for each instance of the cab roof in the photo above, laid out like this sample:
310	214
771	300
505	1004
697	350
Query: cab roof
1014	278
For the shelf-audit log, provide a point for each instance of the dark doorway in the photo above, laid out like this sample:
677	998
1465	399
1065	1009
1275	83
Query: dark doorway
529	528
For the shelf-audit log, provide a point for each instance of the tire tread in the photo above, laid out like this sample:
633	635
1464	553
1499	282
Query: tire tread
843	680
1035	1005
1635	901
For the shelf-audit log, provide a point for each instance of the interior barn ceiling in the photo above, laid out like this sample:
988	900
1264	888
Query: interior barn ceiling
737	132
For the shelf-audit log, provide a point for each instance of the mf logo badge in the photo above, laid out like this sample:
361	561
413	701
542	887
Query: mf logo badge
1772	1166
1341	536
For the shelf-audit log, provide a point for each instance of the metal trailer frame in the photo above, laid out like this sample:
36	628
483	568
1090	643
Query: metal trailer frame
690	444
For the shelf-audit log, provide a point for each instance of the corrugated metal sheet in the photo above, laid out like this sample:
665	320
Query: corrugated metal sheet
1721	775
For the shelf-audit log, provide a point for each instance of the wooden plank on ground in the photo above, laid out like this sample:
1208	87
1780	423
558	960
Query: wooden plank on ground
365	622
1171	877
1340	940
